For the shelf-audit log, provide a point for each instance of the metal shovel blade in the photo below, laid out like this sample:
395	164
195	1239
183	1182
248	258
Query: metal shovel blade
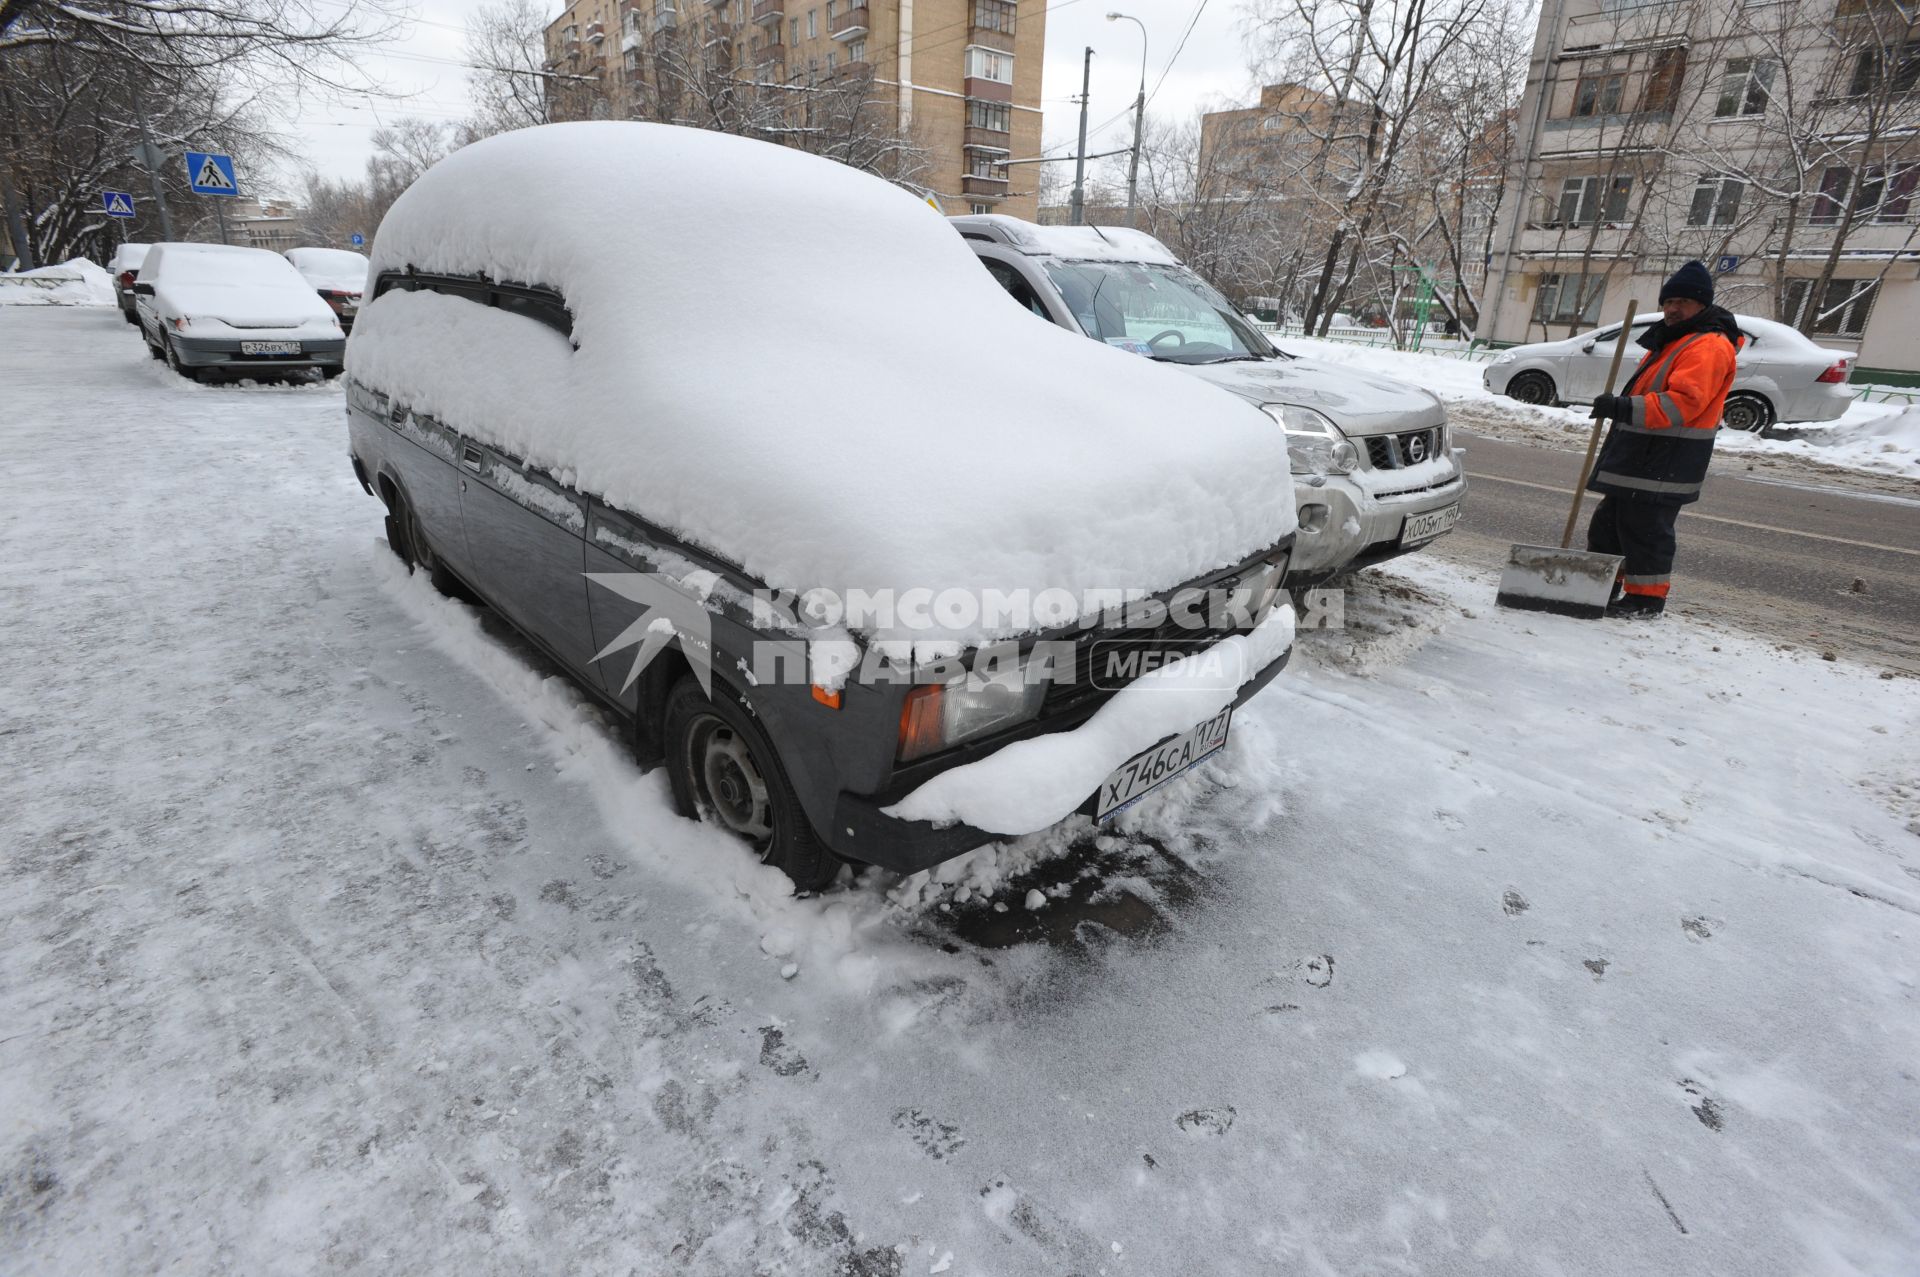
1545	578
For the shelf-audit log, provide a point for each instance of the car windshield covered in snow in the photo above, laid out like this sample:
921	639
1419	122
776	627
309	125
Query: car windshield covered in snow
1166	312
330	267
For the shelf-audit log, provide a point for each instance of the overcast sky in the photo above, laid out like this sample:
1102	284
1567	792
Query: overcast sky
1211	71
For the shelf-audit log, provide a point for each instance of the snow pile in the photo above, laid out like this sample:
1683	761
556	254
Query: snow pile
1870	437
919	432
331	268
77	283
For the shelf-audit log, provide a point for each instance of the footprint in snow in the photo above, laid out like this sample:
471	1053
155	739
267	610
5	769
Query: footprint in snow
777	1055
1596	965
937	1140
1211	1121
1448	821
1708	1110
1514	903
1700	928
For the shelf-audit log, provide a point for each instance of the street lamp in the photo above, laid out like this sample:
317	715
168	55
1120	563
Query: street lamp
1139	114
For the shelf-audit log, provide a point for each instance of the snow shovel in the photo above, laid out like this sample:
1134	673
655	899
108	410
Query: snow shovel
1544	578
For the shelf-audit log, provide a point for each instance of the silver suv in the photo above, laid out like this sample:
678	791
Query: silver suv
1375	472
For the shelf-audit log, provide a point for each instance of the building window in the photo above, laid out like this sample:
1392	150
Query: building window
1867	78
1569	299
993	15
1716	202
793	30
813	23
980	208
1586	200
1744	87
1599	94
833	61
857	51
1842	313
989	64
994	116
1878	196
986	164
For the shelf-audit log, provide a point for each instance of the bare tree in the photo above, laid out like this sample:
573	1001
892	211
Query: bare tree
510	88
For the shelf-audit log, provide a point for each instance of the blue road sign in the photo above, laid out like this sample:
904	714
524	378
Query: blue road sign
1726	264
358	240
210	174
118	203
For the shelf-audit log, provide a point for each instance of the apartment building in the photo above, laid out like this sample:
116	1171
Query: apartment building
959	78
1779	143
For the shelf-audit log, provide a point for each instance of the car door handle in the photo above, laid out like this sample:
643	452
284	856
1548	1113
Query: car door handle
470	458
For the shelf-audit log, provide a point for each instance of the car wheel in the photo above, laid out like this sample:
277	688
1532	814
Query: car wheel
1747	411
409	543
153	347
724	771
173	361
328	374
1534	388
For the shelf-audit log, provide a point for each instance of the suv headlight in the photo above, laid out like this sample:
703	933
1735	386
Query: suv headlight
1505	357
938	716
1314	444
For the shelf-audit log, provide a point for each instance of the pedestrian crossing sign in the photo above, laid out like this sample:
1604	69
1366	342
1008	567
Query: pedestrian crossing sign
118	203
210	174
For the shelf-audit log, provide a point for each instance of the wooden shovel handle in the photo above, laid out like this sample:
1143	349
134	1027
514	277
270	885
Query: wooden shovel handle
1593	439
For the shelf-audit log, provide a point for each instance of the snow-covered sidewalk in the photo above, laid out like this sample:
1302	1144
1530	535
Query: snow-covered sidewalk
336	935
1878	436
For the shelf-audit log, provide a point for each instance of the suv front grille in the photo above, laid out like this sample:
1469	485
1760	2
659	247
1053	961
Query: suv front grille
1397	452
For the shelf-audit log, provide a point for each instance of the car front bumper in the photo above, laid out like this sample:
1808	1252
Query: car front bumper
1344	525
223	352
863	831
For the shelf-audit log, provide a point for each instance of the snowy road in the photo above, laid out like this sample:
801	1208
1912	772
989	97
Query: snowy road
337	937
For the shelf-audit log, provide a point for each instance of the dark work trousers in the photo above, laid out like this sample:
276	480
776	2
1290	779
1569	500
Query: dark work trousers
1641	529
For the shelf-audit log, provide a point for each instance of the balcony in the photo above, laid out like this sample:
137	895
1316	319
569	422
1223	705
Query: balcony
989	38
852	70
596	32
989	90
770	62
971	185
985	139
850	25
765	11
665	18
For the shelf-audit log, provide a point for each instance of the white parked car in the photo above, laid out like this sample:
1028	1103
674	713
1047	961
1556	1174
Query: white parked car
1780	374
1373	468
339	276
210	307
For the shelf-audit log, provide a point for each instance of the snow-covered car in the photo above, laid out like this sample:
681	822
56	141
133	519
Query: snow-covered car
338	275
208	308
1372	459
124	266
1780	374
880	586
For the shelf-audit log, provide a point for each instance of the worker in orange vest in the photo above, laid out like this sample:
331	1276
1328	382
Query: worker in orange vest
1664	424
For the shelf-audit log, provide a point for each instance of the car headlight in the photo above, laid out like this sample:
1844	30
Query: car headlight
1314	444
1504	357
938	716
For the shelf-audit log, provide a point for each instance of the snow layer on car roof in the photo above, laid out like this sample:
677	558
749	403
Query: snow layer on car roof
330	267
1080	243
802	368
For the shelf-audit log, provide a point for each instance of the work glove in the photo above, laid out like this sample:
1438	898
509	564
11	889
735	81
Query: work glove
1612	408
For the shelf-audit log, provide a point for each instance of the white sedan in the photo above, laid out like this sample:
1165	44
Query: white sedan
208	309
337	275
1780	374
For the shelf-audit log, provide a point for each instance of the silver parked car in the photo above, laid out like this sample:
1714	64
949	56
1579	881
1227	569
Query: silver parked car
1780	374
1375	475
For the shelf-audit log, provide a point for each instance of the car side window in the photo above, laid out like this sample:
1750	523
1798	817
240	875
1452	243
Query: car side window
1016	287
542	305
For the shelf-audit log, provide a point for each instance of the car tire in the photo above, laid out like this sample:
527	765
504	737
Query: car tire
1534	388
172	356
1748	412
328	374
153	347
725	771
409	543
130	317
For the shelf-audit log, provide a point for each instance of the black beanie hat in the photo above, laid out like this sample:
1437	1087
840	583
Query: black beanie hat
1691	281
